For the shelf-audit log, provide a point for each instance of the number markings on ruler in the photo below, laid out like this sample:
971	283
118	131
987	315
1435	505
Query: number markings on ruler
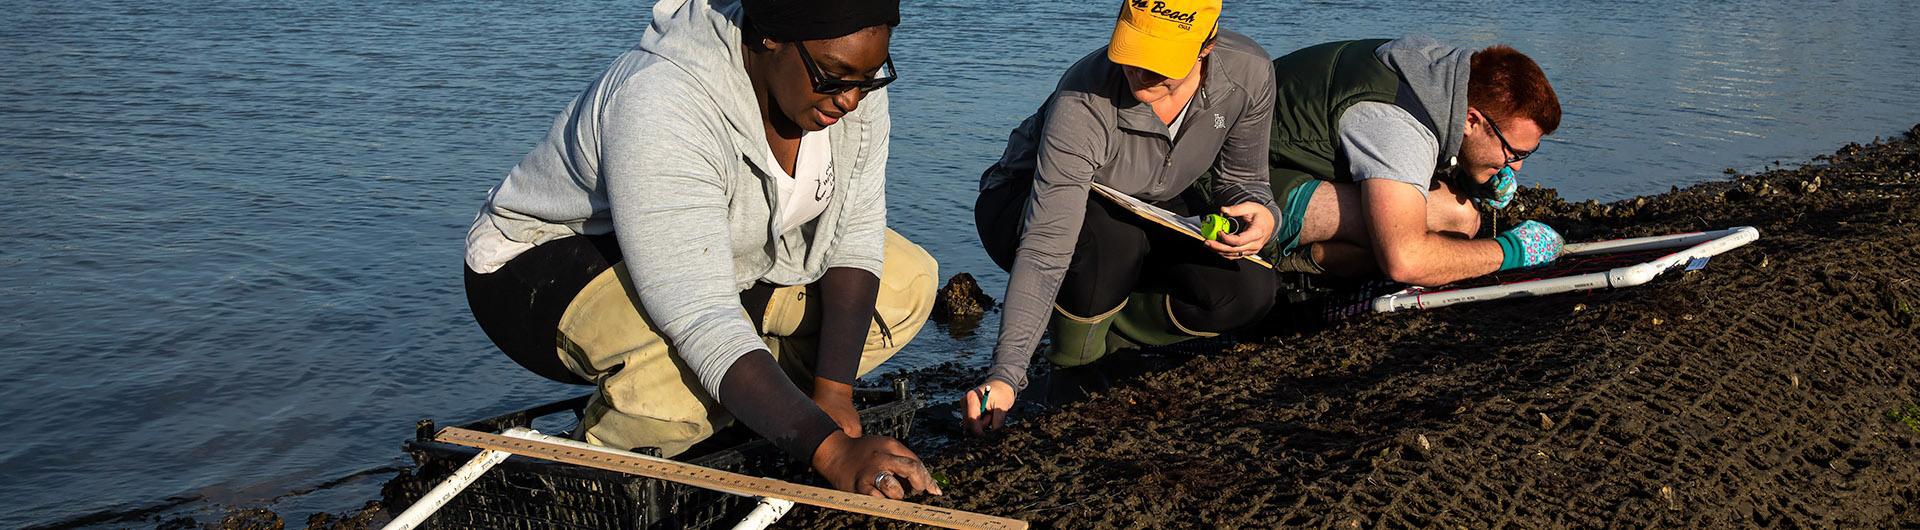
573	452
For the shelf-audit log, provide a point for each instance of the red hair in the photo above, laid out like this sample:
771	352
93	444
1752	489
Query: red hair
1506	84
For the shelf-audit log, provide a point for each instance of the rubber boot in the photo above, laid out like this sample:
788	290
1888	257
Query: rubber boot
1147	320
1079	340
1078	344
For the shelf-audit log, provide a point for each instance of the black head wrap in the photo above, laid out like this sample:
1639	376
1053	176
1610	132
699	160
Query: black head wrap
797	20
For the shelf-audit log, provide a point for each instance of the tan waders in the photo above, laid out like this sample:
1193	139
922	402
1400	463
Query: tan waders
647	396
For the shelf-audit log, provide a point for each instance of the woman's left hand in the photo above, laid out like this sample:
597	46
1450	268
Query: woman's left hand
1248	241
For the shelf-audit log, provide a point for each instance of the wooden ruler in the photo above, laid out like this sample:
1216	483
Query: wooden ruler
581	454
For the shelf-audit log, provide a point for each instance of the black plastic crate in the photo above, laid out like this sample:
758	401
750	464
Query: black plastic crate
527	494
1323	299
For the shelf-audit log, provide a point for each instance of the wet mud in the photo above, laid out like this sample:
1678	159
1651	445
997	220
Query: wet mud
1779	387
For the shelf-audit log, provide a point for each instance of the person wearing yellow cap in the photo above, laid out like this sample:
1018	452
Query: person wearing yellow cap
1172	97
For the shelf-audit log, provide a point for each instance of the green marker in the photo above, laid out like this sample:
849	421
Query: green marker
1215	225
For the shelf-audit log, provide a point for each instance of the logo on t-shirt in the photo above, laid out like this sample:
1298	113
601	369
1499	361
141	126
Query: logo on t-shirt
823	186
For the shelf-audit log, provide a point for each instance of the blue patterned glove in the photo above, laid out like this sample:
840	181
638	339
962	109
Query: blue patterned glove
1503	188
1527	245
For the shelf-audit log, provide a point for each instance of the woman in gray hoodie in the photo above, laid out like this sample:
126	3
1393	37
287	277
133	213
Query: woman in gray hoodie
702	237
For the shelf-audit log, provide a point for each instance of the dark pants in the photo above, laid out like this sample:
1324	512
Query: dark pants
519	306
1120	253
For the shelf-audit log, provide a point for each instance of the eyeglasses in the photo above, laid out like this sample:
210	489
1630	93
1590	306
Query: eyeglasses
1513	155
834	85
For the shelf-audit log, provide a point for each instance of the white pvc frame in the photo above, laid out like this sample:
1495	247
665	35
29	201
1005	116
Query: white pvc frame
766	513
1691	246
440	495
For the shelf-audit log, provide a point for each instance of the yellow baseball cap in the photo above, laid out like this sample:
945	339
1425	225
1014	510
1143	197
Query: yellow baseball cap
1163	36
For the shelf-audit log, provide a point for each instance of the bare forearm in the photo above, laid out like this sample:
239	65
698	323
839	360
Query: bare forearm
1408	249
1434	259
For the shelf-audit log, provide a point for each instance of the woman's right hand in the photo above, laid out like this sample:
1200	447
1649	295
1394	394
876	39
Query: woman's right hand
998	398
873	465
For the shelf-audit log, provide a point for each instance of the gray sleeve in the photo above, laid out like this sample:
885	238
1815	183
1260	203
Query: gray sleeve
1383	141
863	231
1072	145
1242	165
661	161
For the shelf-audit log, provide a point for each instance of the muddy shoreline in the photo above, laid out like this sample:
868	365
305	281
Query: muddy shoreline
1767	390
1763	391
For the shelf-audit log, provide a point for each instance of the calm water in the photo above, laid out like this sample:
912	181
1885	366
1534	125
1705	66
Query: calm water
233	245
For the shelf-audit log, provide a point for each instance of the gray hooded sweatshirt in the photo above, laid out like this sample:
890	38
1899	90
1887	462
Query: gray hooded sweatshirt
1436	74
666	150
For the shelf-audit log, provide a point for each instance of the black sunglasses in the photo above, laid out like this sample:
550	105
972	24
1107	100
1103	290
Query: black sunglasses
1513	155
834	85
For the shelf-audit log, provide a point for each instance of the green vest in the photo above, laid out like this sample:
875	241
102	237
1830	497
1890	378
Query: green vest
1315	85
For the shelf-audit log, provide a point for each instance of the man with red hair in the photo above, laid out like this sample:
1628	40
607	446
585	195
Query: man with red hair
1381	149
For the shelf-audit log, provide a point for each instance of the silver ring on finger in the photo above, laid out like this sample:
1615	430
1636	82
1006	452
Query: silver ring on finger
881	478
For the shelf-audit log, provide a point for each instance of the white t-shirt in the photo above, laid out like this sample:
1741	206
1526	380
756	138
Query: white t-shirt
803	195
1173	129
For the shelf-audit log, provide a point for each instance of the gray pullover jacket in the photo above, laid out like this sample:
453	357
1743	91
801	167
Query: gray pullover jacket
666	150
1092	130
